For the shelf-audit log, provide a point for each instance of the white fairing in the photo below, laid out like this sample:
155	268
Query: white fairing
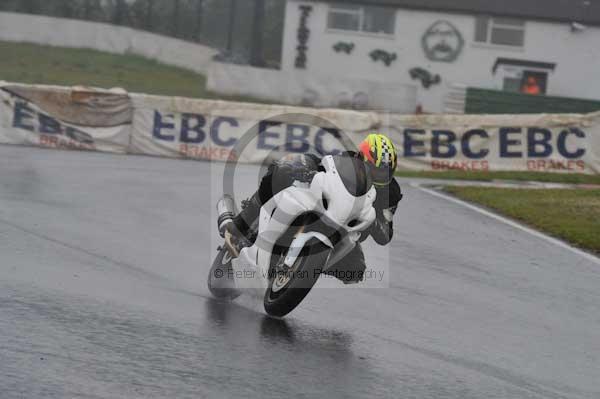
277	215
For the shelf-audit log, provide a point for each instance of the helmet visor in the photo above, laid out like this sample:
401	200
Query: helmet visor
381	176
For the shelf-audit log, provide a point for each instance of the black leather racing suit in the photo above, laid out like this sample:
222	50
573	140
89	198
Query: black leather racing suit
282	174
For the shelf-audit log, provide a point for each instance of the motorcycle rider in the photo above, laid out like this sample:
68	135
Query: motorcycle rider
380	156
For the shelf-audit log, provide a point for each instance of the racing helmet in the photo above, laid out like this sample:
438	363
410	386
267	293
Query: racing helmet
379	152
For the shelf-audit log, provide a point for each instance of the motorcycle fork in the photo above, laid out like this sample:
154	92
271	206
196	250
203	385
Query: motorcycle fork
279	264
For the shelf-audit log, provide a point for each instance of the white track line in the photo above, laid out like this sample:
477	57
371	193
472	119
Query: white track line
509	222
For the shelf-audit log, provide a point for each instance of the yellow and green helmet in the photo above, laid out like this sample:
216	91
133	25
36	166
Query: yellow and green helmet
379	152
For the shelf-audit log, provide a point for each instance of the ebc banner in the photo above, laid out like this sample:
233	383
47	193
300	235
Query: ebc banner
225	131
541	143
63	119
254	133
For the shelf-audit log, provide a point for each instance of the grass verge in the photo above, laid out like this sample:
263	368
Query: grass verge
35	64
572	215
547	177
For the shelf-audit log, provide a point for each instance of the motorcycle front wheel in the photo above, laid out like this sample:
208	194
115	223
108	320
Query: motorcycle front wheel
287	290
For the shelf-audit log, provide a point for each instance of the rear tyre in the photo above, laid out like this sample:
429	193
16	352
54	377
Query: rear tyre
286	292
220	278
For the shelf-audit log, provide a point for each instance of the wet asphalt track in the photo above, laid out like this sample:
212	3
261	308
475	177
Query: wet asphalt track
103	262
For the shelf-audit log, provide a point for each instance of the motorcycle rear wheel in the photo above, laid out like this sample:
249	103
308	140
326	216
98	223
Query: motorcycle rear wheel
220	283
285	293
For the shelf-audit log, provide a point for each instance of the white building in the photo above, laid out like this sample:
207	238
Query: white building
413	52
404	55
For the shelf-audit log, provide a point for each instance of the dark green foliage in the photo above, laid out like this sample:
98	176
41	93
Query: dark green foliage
203	21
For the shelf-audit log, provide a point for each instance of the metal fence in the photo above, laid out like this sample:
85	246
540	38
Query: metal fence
482	101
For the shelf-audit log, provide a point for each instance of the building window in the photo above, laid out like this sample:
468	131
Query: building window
526	82
344	17
500	31
356	18
534	82
523	76
512	84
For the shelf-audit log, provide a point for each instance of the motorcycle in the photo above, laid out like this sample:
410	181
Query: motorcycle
301	233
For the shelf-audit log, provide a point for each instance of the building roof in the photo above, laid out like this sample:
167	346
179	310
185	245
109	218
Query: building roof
582	11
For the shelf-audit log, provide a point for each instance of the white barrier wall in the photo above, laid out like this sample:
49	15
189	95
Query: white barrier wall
219	130
63	32
310	89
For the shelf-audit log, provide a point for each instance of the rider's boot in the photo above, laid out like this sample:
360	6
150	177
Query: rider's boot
242	223
238	224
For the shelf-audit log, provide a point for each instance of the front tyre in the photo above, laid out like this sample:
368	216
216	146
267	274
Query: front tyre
287	290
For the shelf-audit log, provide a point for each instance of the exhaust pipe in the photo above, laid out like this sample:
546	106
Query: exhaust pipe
226	210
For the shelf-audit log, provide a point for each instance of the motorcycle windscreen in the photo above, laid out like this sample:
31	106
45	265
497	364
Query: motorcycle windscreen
354	174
